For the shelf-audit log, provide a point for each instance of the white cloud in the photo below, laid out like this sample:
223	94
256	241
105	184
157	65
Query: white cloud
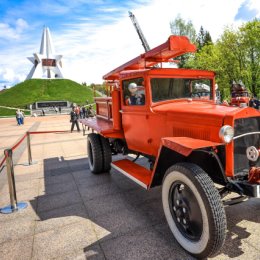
92	49
21	25
8	77
254	5
9	32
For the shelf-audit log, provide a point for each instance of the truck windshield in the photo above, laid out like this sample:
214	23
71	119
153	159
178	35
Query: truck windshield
176	88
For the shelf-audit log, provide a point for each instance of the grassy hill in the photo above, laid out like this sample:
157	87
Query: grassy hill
33	90
10	112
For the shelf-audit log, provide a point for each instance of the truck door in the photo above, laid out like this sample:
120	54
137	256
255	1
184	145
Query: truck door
135	115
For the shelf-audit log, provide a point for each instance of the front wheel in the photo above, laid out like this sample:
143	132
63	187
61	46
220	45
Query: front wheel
193	209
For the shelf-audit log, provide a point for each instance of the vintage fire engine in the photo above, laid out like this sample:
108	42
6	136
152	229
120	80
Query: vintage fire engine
197	150
239	94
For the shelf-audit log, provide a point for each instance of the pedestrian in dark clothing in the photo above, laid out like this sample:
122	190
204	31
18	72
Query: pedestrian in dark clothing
80	112
22	118
74	119
84	112
60	109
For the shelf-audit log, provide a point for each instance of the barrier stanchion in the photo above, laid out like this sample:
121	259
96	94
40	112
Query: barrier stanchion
30	161
29	148
15	206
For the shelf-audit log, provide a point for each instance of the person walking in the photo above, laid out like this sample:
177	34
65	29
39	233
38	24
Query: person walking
74	119
16	116
19	116
22	117
84	111
77	110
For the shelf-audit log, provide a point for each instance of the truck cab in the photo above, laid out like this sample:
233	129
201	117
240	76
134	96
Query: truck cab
199	151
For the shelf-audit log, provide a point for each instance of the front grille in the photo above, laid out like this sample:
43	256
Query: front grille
243	126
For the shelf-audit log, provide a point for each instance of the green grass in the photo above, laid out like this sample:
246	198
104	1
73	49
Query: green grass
30	91
10	112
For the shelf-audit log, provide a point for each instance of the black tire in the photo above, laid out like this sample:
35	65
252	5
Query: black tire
95	154
107	155
193	209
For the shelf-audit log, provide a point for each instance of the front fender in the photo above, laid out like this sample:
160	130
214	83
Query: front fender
182	149
185	145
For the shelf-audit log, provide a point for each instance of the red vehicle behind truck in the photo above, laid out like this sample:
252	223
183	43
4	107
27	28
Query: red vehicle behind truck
189	141
239	95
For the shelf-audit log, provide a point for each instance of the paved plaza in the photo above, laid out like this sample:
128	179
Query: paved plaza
73	214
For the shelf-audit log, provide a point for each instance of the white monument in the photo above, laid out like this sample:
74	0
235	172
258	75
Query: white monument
46	64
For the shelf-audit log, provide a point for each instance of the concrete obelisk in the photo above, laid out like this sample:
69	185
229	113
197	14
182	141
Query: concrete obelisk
46	64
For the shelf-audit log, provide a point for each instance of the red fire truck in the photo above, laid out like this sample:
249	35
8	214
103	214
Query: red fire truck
190	142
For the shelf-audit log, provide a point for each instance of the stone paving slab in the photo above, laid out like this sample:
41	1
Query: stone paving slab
17	249
62	241
73	214
16	228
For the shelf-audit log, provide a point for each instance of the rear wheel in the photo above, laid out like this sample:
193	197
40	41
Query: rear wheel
193	209
95	157
107	155
99	153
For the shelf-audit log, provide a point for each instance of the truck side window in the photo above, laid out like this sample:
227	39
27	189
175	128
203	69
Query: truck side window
134	92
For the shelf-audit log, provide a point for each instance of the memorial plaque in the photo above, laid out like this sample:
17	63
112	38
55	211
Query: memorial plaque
47	104
49	62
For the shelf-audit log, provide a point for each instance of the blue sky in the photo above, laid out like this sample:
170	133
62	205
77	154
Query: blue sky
94	37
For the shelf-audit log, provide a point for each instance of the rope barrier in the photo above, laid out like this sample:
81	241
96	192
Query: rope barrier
19	142
48	132
26	135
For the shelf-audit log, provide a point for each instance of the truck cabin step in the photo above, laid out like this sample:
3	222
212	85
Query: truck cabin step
134	171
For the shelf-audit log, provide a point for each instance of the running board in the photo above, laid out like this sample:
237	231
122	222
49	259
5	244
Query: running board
134	171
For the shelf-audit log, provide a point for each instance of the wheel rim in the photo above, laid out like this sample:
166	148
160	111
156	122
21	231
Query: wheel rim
185	211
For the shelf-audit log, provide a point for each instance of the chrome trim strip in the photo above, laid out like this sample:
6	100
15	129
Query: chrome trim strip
129	176
253	133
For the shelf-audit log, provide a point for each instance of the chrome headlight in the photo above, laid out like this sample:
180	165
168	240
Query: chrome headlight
226	133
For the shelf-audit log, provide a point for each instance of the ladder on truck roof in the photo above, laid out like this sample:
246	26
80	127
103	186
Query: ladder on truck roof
139	31
173	47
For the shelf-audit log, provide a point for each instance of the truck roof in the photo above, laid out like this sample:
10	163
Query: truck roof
173	47
192	73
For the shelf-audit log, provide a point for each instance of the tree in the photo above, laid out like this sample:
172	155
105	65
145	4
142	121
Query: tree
235	56
203	38
240	51
200	38
180	27
251	43
208	39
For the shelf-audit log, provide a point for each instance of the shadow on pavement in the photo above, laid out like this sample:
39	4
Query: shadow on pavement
107	216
